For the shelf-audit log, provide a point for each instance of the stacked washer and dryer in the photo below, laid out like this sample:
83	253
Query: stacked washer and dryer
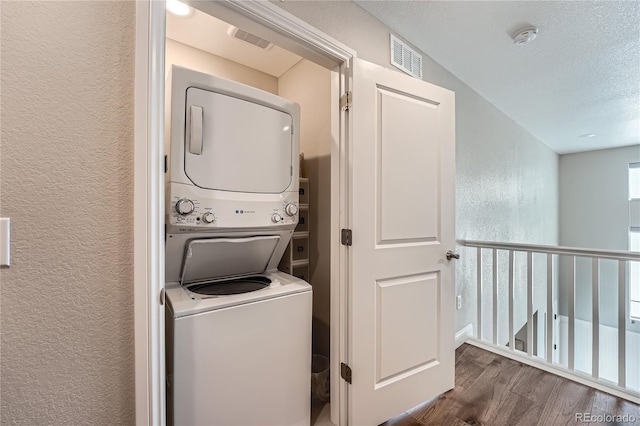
238	332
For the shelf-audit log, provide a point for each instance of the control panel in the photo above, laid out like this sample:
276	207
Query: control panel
186	208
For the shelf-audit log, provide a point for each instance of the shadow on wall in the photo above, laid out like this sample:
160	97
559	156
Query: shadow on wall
318	170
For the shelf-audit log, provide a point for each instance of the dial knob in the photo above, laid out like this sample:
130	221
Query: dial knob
185	207
208	217
291	209
276	218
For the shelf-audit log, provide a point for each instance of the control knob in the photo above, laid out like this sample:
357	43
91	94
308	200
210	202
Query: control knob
208	217
276	218
291	209
185	207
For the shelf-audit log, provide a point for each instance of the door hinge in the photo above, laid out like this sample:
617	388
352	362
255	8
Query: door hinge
346	237
166	169
555	316
345	372
555	347
346	101
162	296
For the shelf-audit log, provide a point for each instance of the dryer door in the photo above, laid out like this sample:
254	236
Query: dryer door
235	145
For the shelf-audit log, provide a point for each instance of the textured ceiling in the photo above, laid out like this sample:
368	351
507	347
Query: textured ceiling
207	33
581	75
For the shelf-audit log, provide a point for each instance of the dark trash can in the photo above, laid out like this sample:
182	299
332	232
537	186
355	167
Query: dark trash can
320	377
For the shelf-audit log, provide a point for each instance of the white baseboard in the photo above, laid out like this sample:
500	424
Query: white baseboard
464	334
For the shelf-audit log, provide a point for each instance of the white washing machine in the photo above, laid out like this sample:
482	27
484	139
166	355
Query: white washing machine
240	359
238	331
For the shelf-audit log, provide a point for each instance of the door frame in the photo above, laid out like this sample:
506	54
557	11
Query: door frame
148	213
281	27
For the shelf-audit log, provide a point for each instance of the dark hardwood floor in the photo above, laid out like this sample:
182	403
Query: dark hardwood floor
497	391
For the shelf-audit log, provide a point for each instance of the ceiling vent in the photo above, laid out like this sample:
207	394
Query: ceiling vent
405	58
239	34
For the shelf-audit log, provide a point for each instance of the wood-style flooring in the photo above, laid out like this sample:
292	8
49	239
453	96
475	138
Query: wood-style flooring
493	390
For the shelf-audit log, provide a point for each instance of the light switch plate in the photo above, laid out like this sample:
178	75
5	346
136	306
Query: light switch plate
5	241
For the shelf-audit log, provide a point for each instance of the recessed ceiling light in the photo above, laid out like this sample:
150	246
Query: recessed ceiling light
178	8
525	35
588	135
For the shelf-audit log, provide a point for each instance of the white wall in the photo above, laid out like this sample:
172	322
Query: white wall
67	352
507	180
199	60
594	213
309	85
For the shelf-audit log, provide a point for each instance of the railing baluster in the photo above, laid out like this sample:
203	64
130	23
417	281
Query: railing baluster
479	289
512	340
550	314
572	312
622	323
530	303
595	312
495	296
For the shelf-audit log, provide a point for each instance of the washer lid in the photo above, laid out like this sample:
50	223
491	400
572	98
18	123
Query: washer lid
212	258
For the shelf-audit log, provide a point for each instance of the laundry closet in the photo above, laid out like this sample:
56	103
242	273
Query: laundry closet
202	43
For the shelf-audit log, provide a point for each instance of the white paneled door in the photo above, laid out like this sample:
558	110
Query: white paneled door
402	190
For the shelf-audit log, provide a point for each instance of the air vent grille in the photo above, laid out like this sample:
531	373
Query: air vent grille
250	38
405	58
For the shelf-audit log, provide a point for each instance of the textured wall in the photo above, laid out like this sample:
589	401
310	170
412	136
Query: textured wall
199	60
507	180
66	310
309	85
594	213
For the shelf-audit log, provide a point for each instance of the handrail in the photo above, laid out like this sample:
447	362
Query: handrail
550	337
575	251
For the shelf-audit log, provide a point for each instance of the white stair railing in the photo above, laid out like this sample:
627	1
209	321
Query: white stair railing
546	361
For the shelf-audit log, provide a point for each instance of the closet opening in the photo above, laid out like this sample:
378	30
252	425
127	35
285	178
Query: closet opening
204	43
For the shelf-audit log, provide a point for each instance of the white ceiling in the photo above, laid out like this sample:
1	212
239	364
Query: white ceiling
581	75
207	33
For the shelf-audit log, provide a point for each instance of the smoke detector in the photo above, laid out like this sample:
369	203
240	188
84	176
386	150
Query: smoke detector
525	35
245	36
